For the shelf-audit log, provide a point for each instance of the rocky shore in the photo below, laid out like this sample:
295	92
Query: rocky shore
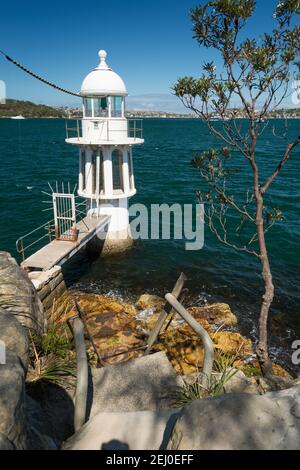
147	402
118	327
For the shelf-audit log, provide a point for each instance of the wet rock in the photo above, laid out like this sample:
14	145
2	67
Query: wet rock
215	314
154	302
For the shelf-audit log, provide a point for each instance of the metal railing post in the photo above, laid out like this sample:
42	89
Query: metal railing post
78	131
22	250
49	232
165	313
202	333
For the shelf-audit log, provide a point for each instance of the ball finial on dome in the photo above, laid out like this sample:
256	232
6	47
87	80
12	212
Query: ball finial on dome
102	55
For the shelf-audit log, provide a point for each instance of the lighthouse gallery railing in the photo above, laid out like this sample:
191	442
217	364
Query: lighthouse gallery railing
74	128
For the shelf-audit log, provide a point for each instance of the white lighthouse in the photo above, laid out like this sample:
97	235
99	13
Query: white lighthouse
105	142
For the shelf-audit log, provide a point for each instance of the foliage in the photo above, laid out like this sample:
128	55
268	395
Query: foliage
257	73
28	109
223	372
50	369
224	361
51	358
251	370
56	341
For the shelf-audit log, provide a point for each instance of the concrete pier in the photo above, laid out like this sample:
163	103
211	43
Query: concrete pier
57	252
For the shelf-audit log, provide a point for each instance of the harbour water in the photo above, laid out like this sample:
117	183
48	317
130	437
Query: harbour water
33	152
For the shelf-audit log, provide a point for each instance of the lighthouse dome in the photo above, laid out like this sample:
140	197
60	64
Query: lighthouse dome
103	81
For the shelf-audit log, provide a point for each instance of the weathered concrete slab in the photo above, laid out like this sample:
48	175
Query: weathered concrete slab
41	279
58	252
240	422
137	385
139	430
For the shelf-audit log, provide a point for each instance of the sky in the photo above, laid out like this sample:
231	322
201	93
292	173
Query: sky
149	43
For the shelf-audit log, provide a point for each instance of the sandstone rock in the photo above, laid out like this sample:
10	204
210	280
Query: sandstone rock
147	301
239	383
281	372
184	348
215	314
5	444
49	418
94	304
18	295
14	336
41	278
110	321
12	379
232	343
240	422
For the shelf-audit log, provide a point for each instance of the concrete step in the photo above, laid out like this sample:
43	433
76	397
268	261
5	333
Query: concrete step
137	385
138	430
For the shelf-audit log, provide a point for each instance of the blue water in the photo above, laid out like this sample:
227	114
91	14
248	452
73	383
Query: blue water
33	152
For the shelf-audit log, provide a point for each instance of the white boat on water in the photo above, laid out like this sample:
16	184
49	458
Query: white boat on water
17	117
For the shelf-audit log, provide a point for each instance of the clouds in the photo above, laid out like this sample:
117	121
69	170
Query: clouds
156	102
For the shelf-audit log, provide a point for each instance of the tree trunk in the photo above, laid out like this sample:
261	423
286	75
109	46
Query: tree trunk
268	297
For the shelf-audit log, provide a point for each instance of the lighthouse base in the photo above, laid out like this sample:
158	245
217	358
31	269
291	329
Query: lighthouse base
116	238
115	243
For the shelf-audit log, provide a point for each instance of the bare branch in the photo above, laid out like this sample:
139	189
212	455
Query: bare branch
287	155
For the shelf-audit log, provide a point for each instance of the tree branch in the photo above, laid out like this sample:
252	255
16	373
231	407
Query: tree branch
287	154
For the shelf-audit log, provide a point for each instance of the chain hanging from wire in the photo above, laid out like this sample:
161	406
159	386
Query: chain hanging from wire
29	72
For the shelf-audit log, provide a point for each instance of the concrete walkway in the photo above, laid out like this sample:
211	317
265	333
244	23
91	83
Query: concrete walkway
58	252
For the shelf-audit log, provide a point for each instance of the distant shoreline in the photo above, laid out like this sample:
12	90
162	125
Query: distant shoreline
155	117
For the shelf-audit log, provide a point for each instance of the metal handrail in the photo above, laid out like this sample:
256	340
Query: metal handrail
20	241
202	333
73	129
21	248
135	129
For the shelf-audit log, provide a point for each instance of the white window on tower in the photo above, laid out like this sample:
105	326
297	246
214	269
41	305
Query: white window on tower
88	110
101	107
116	106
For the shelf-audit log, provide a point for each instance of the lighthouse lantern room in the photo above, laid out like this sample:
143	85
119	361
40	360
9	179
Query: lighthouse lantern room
105	142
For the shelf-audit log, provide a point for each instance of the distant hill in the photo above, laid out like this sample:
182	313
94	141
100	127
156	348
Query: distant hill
29	110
